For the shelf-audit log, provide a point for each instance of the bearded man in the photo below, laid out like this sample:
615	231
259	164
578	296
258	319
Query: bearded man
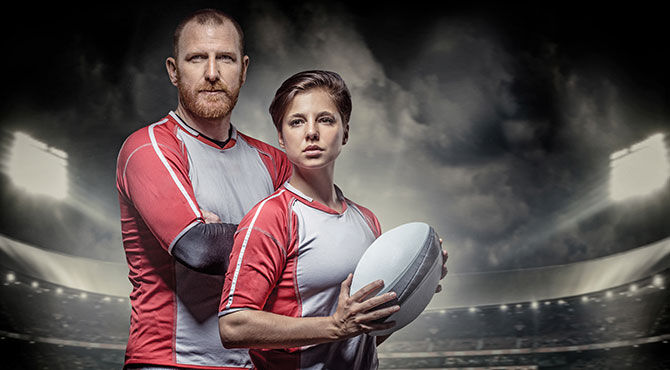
184	183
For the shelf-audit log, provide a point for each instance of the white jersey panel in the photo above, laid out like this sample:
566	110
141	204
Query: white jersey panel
227	182
330	246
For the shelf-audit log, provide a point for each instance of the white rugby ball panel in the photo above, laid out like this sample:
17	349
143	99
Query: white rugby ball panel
416	302
408	260
390	255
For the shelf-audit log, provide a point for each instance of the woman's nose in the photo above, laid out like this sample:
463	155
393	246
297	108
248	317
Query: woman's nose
312	131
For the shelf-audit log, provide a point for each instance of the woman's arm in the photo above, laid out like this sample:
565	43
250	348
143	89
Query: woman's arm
354	316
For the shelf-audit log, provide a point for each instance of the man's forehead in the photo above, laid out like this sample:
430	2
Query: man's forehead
195	36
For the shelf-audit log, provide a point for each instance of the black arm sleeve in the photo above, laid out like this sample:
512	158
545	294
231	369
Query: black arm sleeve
206	248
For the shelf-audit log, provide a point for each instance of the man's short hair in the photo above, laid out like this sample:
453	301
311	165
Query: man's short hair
301	82
206	16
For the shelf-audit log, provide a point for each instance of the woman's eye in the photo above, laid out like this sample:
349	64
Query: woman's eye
295	122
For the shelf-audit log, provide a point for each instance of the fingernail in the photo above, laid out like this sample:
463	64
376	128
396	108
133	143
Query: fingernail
392	294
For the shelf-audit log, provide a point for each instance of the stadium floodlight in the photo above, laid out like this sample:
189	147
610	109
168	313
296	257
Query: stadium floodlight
534	305
585	299
472	309
503	307
641	169
59	290
83	295
658	281
11	277
633	287
36	167
609	294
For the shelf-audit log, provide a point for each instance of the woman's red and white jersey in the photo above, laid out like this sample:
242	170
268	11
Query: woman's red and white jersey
167	173
290	256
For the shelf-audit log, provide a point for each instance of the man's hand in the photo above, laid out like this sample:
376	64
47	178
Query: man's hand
210	217
445	257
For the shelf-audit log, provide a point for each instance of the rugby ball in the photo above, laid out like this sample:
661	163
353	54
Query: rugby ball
408	259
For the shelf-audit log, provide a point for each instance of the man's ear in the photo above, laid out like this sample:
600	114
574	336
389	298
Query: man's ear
171	66
245	66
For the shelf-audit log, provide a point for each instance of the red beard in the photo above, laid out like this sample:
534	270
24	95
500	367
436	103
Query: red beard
208	106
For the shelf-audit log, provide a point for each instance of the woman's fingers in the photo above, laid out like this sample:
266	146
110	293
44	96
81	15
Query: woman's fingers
373	302
377	314
345	287
367	290
373	327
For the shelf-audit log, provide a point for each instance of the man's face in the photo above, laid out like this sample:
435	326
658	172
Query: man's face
209	70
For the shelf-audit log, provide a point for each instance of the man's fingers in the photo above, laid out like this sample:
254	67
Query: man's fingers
210	217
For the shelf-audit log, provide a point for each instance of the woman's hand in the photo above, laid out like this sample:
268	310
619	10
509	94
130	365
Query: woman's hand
445	257
355	314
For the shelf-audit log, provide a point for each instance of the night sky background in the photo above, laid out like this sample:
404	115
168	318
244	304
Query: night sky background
493	122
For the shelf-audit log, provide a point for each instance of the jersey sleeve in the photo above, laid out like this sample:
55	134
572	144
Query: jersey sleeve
152	175
257	260
371	219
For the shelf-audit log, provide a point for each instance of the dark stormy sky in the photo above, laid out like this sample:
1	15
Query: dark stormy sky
492	122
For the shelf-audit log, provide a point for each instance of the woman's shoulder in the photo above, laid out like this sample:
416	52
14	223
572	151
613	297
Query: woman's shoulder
367	214
273	207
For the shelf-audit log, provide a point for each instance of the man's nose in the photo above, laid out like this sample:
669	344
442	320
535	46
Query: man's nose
212	72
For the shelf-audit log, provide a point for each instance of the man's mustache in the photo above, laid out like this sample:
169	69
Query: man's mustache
217	86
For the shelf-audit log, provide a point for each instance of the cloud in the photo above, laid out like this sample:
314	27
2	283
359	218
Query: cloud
494	143
416	145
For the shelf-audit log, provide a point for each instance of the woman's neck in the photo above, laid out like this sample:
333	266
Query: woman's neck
317	184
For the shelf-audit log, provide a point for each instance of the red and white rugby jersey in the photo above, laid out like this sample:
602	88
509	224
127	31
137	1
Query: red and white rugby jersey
290	256
166	173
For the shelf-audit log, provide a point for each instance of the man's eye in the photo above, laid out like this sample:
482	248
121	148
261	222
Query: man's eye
328	120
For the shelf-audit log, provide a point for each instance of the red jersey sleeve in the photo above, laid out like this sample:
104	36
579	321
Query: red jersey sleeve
258	257
152	176
371	219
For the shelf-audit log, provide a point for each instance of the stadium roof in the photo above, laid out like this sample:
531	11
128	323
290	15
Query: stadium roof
86	274
552	282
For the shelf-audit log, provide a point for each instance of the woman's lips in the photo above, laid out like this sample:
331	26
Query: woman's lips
312	150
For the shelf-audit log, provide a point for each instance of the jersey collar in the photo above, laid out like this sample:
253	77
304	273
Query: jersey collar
313	203
191	131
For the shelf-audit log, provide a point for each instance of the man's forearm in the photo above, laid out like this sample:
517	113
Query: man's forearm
206	247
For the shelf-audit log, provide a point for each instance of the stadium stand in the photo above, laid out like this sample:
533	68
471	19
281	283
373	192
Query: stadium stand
56	313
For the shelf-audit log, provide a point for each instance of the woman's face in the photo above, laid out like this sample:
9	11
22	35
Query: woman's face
312	131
